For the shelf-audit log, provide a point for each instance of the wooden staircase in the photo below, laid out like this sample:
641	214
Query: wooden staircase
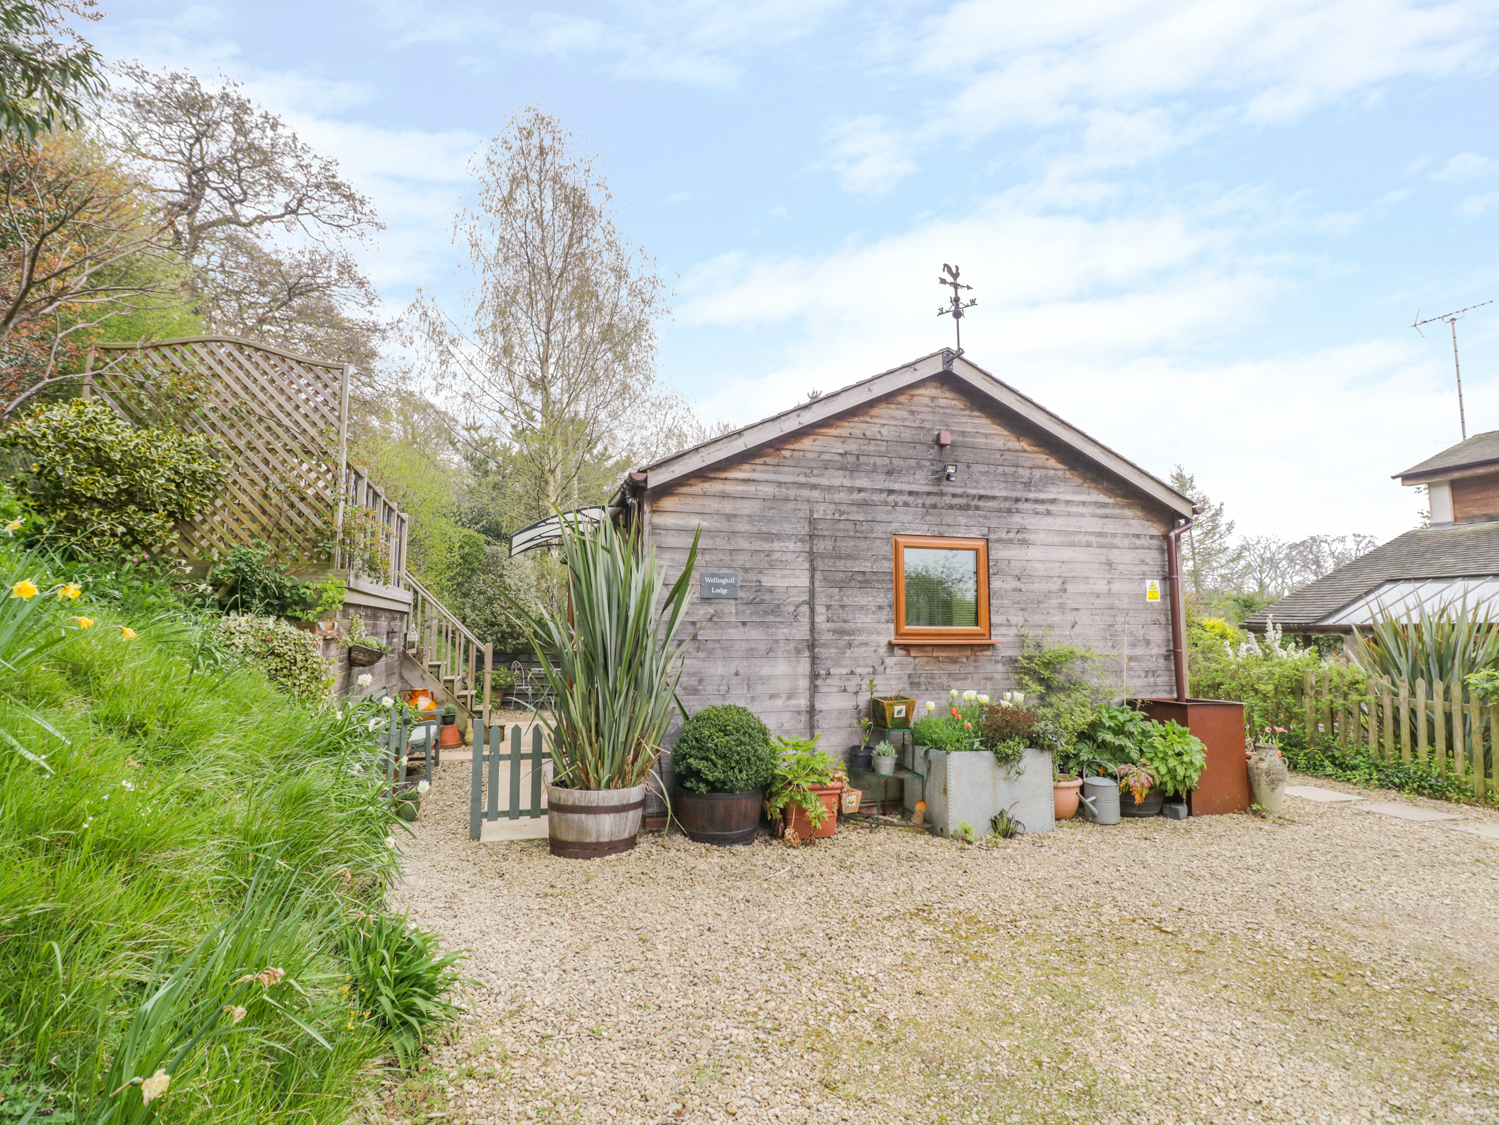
445	658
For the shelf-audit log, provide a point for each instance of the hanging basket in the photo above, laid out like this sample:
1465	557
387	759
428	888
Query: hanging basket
362	656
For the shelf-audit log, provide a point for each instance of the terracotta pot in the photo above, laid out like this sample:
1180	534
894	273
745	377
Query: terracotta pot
1064	795
796	820
449	736
718	818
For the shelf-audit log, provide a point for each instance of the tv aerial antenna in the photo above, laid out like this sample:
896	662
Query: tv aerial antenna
1452	318
955	304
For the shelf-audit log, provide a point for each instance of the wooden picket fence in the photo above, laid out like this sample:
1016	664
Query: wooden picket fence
485	788
1440	727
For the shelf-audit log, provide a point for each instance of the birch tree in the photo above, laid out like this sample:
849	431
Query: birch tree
555	354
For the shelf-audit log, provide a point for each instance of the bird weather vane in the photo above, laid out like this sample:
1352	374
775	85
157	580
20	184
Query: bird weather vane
956	305
1451	318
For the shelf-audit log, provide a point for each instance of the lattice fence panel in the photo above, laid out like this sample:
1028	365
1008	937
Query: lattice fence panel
277	413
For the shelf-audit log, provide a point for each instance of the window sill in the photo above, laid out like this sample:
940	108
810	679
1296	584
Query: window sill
906	642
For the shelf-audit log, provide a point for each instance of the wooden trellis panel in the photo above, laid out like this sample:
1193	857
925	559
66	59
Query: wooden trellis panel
283	418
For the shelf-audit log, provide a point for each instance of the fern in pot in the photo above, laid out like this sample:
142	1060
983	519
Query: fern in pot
611	658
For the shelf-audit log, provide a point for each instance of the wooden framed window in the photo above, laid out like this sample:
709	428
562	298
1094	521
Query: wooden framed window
941	590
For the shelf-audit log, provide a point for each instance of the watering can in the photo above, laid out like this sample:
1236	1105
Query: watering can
1100	800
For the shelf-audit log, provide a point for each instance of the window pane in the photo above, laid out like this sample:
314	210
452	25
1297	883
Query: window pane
942	588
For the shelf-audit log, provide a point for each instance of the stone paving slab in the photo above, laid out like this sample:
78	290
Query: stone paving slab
1316	793
1487	831
526	828
1410	812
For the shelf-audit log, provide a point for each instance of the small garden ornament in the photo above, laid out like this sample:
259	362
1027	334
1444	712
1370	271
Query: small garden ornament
1268	773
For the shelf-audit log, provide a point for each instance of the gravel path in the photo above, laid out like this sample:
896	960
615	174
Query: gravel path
1330	966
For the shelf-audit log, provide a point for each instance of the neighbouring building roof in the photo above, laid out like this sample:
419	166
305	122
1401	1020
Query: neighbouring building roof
1384	577
746	440
1480	449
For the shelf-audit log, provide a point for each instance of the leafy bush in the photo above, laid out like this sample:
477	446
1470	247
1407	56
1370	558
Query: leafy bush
1065	683
724	749
248	582
1118	736
801	766
289	657
98	486
401	980
481	602
1176	757
1008	730
1266	675
1353	764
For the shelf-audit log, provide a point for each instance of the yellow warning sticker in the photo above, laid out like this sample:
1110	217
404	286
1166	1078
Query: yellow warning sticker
1152	591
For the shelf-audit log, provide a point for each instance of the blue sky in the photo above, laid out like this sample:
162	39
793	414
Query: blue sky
1197	230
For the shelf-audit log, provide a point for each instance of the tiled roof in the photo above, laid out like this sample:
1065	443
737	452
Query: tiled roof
1440	552
1479	449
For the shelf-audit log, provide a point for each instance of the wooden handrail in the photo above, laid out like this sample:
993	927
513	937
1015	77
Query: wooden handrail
448	643
362	492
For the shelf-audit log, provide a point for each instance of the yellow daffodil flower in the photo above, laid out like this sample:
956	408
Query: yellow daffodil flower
13	526
71	590
84	622
127	633
23	589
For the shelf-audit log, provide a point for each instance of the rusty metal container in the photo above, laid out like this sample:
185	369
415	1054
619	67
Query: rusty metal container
1224	785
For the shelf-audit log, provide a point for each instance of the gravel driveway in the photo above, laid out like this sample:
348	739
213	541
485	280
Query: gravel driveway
1329	966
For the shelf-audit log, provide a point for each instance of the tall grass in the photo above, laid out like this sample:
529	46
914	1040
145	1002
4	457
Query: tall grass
170	828
1442	644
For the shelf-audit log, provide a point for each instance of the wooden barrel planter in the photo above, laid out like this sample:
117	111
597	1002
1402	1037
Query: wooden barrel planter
1149	806
590	823
718	818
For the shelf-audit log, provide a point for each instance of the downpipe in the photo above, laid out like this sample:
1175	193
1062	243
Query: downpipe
1178	604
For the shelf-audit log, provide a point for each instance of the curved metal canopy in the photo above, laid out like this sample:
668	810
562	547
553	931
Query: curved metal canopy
543	533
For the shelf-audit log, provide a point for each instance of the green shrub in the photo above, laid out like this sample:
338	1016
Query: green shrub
724	749
248	582
1175	756
1065	683
401	981
289	657
98	486
800	767
1117	737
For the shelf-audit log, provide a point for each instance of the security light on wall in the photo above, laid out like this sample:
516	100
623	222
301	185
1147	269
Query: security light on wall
952	472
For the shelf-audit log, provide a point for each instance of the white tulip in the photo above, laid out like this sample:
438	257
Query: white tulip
970	696
930	706
953	694
983	699
387	702
422	787
365	680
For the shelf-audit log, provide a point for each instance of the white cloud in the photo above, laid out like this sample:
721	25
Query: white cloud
1464	168
694	42
867	155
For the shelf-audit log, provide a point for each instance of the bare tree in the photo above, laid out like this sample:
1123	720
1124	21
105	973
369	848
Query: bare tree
1274	567
557	356
263	221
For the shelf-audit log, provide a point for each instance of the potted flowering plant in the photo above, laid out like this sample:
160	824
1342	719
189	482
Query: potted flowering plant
981	757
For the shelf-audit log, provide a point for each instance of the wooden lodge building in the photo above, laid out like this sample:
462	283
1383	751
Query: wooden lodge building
908	528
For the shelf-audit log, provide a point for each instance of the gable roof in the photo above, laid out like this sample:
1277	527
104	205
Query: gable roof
1459	551
706	455
1480	449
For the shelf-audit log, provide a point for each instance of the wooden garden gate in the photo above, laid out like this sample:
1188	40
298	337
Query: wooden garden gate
487	785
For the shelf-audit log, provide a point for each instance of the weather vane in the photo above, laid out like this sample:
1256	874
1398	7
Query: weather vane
1450	318
956	306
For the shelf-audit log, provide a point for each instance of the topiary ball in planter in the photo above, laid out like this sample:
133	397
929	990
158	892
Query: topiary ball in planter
724	749
723	761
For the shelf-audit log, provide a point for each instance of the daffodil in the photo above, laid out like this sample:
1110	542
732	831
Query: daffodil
84	622
422	787
127	633
365	680
387	702
23	589
14	526
71	590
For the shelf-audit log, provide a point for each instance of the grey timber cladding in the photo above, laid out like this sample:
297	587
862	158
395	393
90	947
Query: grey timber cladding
807	523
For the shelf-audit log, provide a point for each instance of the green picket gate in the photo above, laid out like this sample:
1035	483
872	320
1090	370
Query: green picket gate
489	754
